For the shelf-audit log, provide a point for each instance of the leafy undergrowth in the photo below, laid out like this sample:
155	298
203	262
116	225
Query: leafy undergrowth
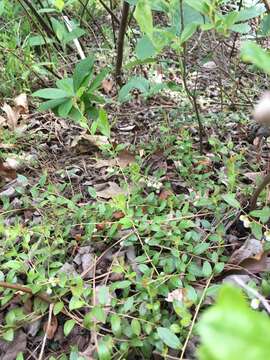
119	250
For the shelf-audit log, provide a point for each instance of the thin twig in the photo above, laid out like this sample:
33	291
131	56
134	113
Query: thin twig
195	318
46	332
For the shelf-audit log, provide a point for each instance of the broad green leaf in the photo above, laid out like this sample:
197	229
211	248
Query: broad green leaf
75	303
82	71
68	326
143	15
50	93
64	108
51	104
169	338
253	53
74	34
265	25
207	269
38	40
231	200
98	314
188	31
59	28
243	28
103	123
200	5
250	12
103	295
104	349
263	214
139	83
66	85
145	48
58	307
95	84
231	330
256	230
116	325
136	327
8	335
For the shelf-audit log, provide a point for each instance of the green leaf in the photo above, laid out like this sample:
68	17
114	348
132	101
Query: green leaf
75	303
58	307
263	214
121	284
207	269
231	330
199	5
143	15
256	230
136	327
145	48
250	12
8	335
82	71
139	83
50	93
116	325
74	34
241	28
98	314
188	31
253	53
66	85
95	84
103	123
64	108
169	338
51	104
104	350
68	326
103	295
230	199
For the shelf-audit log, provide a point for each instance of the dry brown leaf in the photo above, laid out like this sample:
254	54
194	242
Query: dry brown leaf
21	103
50	329
108	190
252	249
13	116
255	266
7	172
164	194
123	160
85	143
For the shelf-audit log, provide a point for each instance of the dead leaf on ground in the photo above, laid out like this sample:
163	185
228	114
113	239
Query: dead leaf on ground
6	171
109	190
13	116
164	194
123	160
21	103
85	143
252	249
50	329
257	265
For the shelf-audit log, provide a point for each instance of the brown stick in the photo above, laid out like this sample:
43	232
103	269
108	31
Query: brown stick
26	290
120	43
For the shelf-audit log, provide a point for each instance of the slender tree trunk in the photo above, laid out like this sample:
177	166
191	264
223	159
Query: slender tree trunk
120	43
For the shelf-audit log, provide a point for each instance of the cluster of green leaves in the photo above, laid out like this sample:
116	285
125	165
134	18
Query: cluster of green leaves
168	237
76	97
